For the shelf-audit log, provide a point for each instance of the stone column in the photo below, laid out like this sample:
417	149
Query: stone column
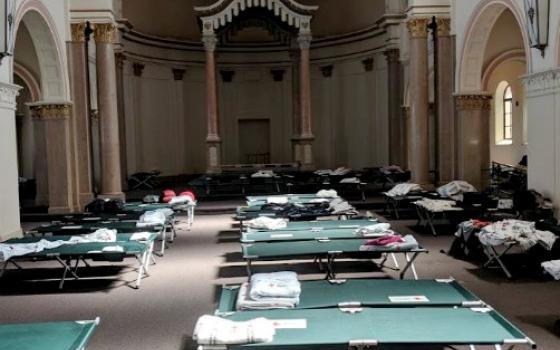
444	95
9	204
396	135
303	142
111	187
213	140
296	109
418	129
473	137
120	58
56	126
80	111
179	111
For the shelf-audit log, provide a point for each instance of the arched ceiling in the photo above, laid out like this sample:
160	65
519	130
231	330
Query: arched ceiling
176	18
505	36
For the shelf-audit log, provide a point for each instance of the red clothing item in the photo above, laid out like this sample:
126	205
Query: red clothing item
385	240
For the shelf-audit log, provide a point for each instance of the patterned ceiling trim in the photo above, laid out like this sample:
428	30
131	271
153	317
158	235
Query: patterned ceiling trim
223	11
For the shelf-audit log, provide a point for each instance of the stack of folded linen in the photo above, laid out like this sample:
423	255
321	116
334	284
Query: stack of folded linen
340	206
277	200
390	242
327	194
437	205
264	222
375	230
403	189
277	290
455	190
214	330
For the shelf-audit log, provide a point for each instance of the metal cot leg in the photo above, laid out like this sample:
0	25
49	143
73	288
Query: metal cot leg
409	264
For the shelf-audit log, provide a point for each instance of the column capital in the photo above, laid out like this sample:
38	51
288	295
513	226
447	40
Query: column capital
105	33
443	26
209	40
418	27
473	102
8	94
50	111
137	69
178	73
392	55
120	57
304	40
78	31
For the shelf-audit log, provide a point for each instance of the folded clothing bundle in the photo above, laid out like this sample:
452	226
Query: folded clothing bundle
100	235
390	242
437	205
350	180
158	216
263	174
340	206
522	232
455	190
553	268
264	222
283	284
277	200
245	302
375	230
327	194
214	330
403	189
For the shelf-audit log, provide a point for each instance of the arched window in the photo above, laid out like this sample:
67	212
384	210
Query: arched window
507	114
503	114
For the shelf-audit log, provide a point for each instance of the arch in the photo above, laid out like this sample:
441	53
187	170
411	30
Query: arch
558	46
478	30
507	56
40	24
222	12
29	80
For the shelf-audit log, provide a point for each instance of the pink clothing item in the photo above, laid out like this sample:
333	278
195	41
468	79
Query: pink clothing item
385	240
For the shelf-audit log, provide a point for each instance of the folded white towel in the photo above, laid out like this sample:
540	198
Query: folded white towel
375	230
263	222
277	200
181	200
350	180
283	284
213	330
327	194
244	301
140	236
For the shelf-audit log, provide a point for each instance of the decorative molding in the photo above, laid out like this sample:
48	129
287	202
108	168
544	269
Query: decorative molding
277	74
222	12
8	94
50	111
78	31
209	41
473	102
542	83
392	55
105	33
418	27
368	64
120	57
507	56
137	69
227	75
443	26
29	79
178	73
327	71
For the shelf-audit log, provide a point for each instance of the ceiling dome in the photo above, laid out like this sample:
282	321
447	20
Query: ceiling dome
177	19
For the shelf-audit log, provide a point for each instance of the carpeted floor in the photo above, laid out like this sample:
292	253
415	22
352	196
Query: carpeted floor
183	285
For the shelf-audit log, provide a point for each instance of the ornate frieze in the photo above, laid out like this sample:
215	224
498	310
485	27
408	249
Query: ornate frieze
418	27
393	55
473	102
8	94
105	33
50	111
542	83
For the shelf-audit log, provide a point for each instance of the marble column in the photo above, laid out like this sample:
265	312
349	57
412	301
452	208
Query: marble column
396	135
80	116
213	140
444	95
296	124
120	58
104	34
40	161
9	204
473	138
418	143
56	126
303	142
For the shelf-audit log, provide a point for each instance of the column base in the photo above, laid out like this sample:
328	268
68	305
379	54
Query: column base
18	233
303	151
60	210
213	156
83	200
114	195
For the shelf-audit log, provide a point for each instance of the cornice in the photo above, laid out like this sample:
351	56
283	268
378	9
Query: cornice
542	83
